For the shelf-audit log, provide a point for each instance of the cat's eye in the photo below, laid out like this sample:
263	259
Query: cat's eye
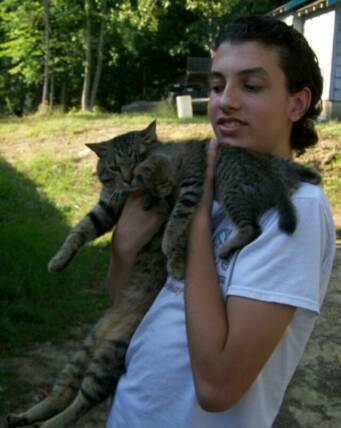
114	169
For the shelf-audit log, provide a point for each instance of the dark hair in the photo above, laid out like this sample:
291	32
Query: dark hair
297	60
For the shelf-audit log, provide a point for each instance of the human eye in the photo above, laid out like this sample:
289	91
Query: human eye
216	87
253	86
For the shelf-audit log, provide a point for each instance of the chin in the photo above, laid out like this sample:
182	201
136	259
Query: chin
232	142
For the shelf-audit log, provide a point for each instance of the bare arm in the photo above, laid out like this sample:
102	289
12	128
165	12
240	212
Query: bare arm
228	343
135	228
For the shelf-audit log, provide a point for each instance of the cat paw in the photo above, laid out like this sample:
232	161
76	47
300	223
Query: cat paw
57	264
226	251
142	176
15	421
154	175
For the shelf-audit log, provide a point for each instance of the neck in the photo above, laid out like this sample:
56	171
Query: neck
285	152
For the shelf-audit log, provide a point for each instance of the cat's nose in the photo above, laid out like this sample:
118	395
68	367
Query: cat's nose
127	177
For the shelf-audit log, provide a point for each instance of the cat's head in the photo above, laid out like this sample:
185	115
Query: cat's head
118	157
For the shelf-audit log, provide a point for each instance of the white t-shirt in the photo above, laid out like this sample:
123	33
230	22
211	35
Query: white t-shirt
157	389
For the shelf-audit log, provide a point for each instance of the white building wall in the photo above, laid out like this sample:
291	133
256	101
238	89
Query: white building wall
319	31
323	32
289	20
336	88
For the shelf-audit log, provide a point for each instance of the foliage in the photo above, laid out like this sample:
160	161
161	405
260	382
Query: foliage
145	44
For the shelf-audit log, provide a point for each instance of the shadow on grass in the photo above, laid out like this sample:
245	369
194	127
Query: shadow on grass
36	305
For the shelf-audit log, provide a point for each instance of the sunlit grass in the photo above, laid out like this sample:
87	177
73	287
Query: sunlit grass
330	129
332	182
42	126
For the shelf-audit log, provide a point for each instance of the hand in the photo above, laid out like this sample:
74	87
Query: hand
135	227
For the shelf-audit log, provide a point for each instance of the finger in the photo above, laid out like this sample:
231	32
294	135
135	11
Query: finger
211	154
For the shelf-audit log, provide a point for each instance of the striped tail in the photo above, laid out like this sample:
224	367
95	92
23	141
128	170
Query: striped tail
287	213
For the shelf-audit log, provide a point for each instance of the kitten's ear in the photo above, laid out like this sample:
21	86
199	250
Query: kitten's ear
148	138
99	148
149	134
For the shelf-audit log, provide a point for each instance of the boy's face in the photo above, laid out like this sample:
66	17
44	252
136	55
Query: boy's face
249	104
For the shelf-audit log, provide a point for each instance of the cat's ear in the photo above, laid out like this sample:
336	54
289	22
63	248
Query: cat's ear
149	134
99	148
148	138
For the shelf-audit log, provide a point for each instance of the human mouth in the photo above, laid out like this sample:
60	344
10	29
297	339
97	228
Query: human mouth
230	126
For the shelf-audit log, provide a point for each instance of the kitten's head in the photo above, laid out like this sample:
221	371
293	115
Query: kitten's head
119	156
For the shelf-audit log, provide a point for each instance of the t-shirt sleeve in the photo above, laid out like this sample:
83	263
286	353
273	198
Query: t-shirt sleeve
280	268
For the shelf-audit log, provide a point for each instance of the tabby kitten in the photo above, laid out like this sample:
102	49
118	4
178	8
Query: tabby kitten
246	184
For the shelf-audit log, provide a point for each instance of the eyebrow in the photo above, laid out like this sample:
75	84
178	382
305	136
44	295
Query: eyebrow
255	70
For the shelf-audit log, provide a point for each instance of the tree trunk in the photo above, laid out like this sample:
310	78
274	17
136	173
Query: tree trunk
63	96
44	99
51	98
99	56
87	64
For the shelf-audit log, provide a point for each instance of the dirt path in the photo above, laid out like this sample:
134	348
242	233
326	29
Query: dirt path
35	372
313	398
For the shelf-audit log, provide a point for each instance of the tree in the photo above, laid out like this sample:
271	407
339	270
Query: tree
108	52
87	61
44	99
99	55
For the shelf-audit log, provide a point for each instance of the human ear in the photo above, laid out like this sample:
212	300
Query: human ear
300	103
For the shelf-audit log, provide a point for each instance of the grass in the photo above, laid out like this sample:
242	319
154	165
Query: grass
45	188
332	182
36	212
330	129
42	126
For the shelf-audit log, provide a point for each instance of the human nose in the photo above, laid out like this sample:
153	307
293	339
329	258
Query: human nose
230	98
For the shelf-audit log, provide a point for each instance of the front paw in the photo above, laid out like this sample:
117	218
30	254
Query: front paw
55	265
58	263
142	176
15	421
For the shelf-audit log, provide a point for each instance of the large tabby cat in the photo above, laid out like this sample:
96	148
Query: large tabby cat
246	184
